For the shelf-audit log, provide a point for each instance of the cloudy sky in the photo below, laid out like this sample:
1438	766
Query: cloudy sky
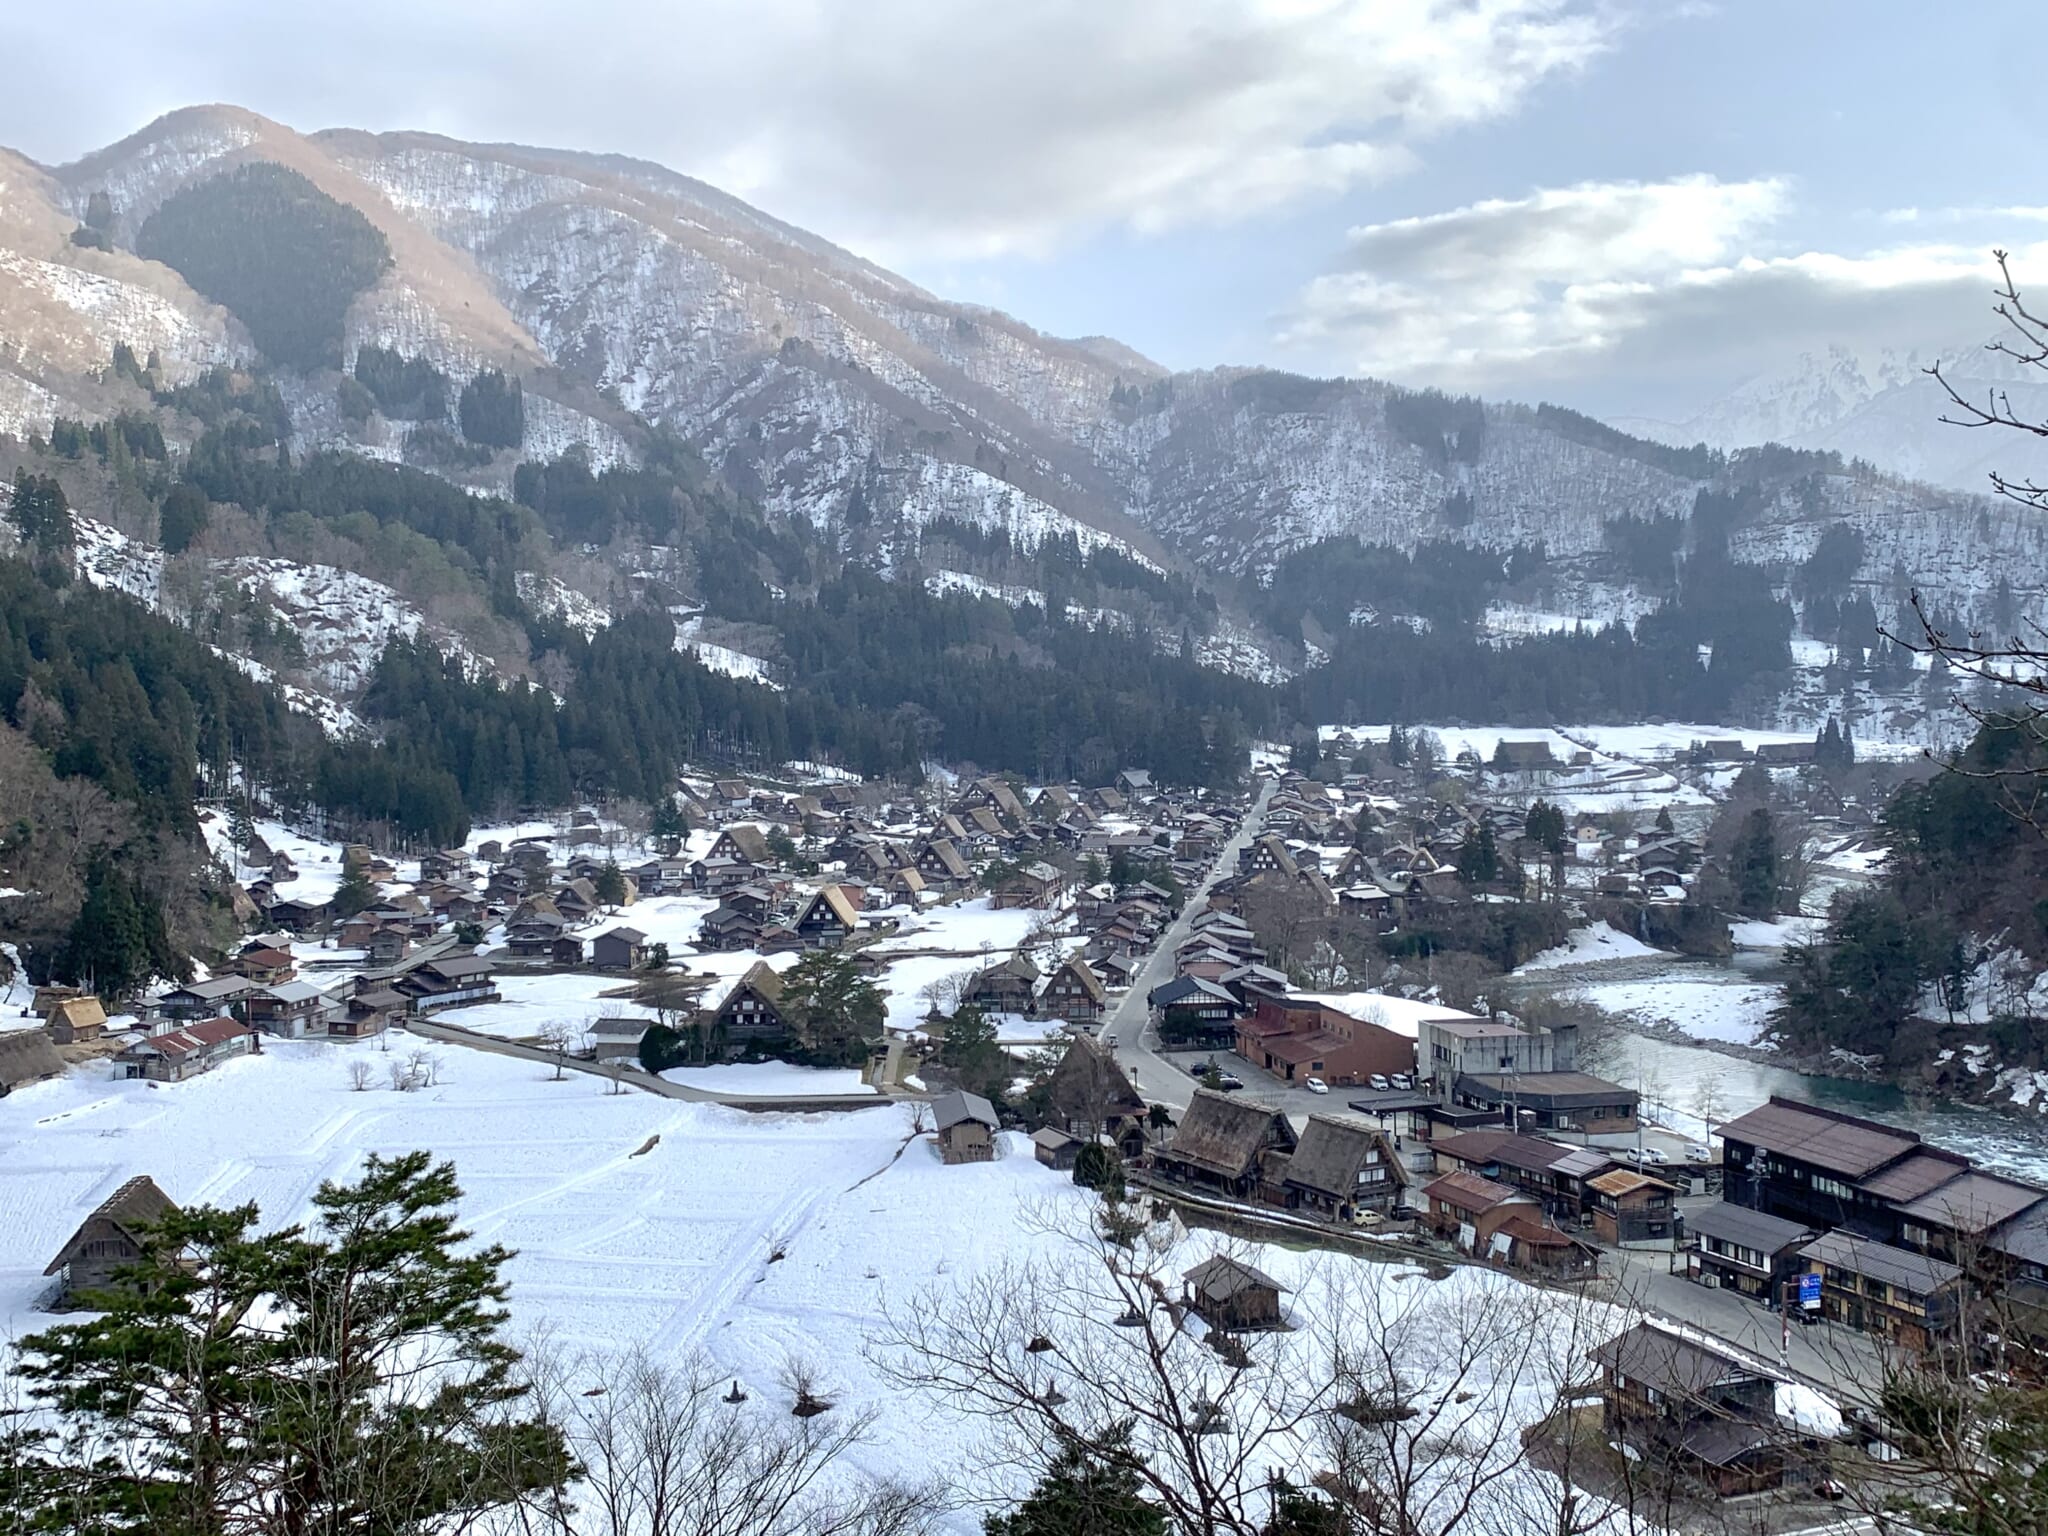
1628	205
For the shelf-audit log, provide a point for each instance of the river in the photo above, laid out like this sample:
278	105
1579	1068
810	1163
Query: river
1674	1070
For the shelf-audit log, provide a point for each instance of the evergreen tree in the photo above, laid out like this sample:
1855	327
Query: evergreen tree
41	512
356	892
971	1050
118	941
182	517
1097	1167
610	885
1664	822
378	1395
836	1010
669	825
1090	1489
492	410
1397	746
661	1048
1478	860
1753	865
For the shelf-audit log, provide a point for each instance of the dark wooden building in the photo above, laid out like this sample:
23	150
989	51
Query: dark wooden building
1220	1142
1229	1294
1698	1408
109	1239
967	1126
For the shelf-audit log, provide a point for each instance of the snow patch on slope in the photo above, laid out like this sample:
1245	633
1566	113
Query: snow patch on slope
968	495
550	595
722	658
344	620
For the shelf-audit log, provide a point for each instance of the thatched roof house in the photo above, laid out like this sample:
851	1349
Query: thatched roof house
1221	1142
27	1056
110	1238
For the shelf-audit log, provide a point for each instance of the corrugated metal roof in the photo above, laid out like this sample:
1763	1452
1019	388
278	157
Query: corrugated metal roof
1974	1203
1839	1143
1910	1271
1751	1229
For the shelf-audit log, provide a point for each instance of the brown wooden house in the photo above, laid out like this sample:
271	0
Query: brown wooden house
967	1126
1220	1144
1072	991
1694	1406
109	1239
75	1020
1229	1294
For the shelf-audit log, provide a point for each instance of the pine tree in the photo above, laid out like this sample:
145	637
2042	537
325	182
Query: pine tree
1091	1489
313	1422
355	892
1753	865
1664	822
972	1051
610	885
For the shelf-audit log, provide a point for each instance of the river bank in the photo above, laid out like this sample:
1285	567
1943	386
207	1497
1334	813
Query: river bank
1682	1071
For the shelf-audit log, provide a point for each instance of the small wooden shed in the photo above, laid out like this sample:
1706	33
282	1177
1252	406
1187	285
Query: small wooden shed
967	1126
1230	1294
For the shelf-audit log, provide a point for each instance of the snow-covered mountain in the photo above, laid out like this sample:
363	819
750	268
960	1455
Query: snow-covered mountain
623	294
1880	406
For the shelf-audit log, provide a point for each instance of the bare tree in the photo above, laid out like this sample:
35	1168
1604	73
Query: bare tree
359	1074
1403	1395
1047	1354
558	1036
2013	666
683	1450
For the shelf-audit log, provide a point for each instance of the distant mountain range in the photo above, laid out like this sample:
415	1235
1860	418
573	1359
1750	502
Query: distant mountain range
1879	406
629	298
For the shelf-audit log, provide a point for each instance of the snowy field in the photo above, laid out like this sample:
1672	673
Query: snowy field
1589	946
1731	1012
768	1079
532	1003
758	1239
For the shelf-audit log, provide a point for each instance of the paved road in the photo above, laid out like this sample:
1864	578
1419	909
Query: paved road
451	1034
1157	1079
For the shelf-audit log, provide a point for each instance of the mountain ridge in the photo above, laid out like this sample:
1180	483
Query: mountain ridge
832	389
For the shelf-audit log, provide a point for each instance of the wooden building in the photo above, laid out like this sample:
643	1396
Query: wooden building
1633	1210
27	1056
1697	1407
1229	1294
187	1051
1220	1145
1737	1249
967	1126
1343	1169
75	1020
1907	1298
108	1240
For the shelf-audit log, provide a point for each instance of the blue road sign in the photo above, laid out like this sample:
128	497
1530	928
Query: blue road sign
1809	1291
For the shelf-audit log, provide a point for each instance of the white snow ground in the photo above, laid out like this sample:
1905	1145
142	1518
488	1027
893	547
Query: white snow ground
635	1219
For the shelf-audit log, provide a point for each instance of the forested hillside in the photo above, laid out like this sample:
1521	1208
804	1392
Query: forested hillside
1945	946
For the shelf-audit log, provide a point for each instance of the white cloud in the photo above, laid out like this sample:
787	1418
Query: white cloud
898	126
1676	277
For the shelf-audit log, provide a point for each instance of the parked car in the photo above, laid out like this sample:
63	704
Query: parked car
1315	1085
1652	1155
1379	1081
1402	1081
1699	1154
1232	1084
1109	1040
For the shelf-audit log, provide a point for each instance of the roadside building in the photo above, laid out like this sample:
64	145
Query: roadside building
1738	1249
967	1126
1907	1298
1694	1406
